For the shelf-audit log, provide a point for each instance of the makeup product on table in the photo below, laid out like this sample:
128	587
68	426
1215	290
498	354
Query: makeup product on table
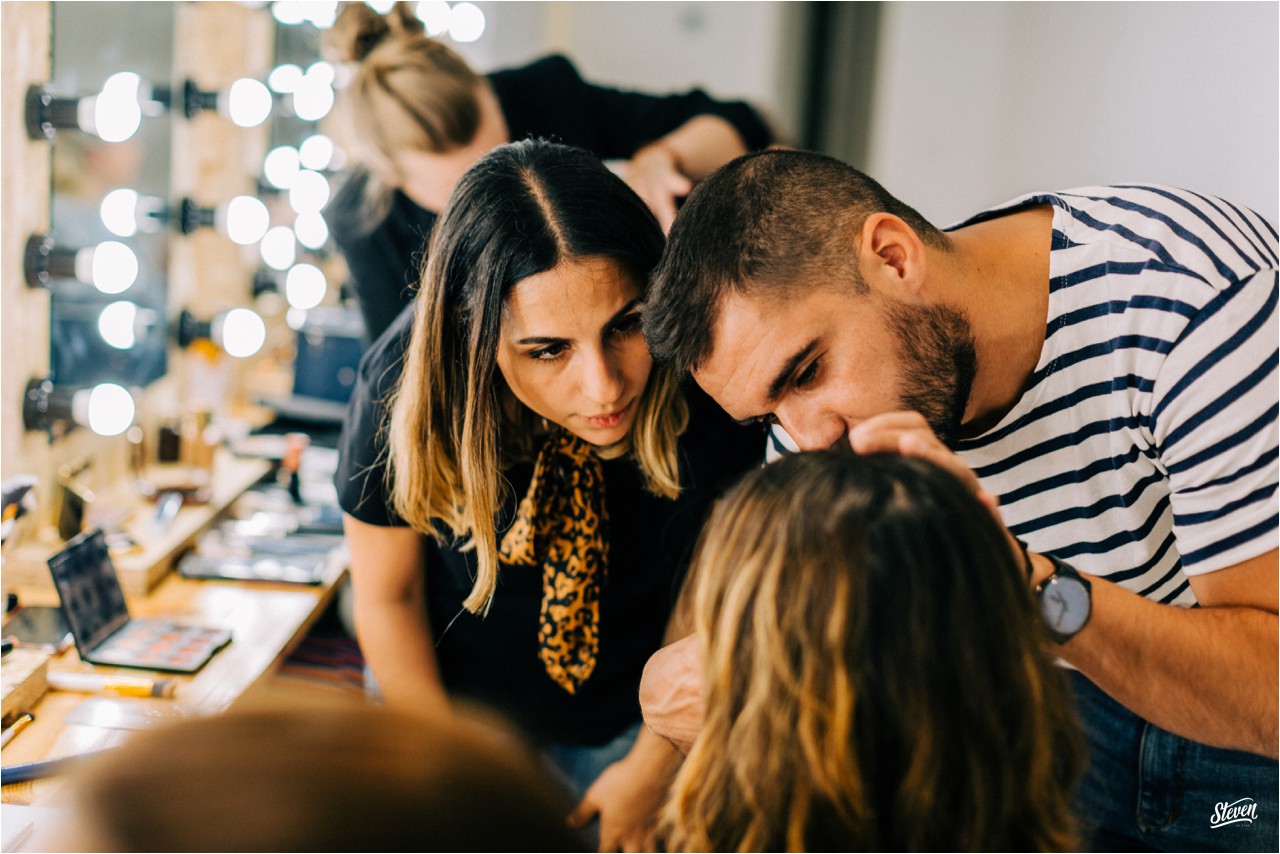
99	618
103	683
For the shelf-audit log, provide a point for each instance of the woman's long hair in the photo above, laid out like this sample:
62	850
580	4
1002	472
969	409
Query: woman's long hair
523	209
407	92
875	675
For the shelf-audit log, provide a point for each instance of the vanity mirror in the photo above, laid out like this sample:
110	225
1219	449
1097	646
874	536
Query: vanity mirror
113	193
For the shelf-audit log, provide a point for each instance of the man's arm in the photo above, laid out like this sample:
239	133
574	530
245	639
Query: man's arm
1207	673
391	614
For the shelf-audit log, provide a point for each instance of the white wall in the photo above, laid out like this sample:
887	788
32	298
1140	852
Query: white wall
979	102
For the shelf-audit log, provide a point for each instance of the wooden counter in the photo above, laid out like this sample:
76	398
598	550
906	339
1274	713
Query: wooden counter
266	622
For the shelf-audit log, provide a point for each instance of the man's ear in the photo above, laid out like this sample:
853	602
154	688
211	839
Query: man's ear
891	255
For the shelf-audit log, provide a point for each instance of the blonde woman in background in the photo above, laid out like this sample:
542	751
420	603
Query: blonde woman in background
418	117
875	675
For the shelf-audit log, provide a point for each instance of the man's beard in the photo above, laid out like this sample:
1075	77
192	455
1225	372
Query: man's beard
939	363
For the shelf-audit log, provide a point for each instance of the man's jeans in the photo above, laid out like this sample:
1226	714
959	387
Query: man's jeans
1148	789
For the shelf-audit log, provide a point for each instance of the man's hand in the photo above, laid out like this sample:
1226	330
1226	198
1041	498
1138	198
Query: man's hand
628	796
908	434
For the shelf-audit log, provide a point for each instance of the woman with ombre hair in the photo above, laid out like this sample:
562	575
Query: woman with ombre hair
875	674
523	485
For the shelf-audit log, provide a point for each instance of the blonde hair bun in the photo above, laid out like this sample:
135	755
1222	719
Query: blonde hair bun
359	29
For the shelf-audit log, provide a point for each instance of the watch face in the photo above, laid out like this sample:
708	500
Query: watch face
1064	604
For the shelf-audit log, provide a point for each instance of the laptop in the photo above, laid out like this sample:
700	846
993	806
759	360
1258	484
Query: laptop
94	605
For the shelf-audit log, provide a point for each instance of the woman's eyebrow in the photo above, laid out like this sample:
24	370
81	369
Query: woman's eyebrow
541	340
618	316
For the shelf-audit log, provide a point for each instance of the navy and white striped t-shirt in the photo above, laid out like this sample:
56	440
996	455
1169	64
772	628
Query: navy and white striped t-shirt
1145	449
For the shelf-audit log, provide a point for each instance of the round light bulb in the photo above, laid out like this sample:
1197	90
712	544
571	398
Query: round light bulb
243	333
466	23
320	73
119	212
284	78
312	100
249	102
309	192
118	107
116	324
311	229
110	409
305	286
279	247
247	219
280	166
289	12
117	113
112	267
316	152
296	318
434	15
323	14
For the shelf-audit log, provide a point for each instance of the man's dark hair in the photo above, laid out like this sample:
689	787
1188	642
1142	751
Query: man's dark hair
764	222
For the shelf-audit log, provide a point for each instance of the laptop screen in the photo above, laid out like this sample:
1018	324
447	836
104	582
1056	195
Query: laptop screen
90	591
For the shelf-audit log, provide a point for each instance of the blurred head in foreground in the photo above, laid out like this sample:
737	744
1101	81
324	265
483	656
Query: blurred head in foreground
354	778
875	674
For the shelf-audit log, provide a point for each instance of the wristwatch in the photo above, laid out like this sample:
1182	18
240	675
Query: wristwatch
1066	601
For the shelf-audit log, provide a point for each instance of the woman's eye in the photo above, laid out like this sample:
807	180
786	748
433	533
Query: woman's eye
626	325
549	353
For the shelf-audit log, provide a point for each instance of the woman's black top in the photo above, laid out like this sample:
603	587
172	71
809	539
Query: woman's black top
494	659
546	99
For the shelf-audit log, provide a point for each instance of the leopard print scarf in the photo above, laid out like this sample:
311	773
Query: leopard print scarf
562	525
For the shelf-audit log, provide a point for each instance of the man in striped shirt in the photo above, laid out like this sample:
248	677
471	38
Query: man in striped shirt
1101	366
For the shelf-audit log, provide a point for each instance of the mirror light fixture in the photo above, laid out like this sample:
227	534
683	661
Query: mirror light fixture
247	102
122	324
305	286
126	212
244	219
113	114
106	408
110	266
239	332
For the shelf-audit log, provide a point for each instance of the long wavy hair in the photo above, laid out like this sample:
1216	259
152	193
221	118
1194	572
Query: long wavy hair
875	675
522	210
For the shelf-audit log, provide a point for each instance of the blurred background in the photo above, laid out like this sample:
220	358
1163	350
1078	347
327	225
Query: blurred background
198	181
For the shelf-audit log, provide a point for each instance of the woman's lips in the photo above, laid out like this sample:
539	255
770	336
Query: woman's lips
613	419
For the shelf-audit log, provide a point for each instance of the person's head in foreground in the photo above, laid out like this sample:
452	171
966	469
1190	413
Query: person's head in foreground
875	676
349	778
